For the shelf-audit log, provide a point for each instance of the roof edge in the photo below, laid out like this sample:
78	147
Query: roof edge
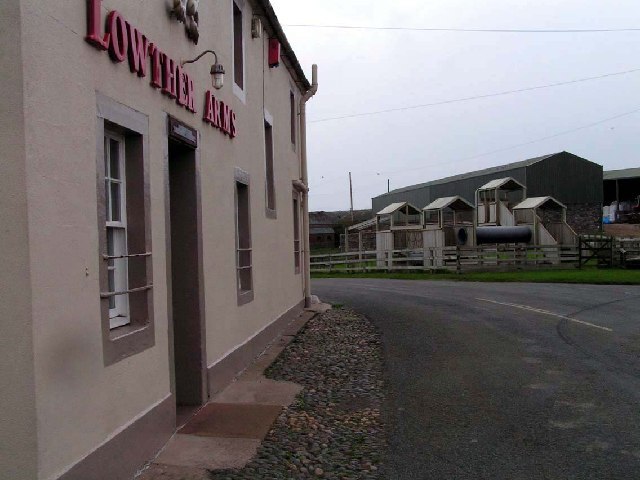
483	171
271	16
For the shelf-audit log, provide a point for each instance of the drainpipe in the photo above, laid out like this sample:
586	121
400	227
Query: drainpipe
305	180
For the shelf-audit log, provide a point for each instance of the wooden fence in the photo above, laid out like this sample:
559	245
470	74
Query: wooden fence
455	259
599	250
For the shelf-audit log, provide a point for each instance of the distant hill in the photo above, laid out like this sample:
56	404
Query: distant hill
339	218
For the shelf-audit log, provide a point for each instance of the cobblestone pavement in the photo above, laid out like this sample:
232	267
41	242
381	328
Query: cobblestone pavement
334	429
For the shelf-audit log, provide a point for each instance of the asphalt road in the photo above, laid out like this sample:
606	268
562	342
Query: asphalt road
505	381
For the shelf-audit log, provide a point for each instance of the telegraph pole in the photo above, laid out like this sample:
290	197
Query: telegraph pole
351	195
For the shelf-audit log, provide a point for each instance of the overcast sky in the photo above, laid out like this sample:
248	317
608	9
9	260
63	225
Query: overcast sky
365	70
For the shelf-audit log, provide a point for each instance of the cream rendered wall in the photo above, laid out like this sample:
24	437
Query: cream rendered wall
80	403
18	441
276	286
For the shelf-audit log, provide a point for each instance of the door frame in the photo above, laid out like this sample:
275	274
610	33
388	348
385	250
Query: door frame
168	120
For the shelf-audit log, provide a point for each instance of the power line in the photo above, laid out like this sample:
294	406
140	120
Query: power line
511	147
476	97
466	30
549	137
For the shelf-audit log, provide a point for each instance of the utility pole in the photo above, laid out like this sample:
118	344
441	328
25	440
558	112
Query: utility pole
388	185
351	195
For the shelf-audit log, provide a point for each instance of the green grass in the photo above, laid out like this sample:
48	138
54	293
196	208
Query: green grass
586	275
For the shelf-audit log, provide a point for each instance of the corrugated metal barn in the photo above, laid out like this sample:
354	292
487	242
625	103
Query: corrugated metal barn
573	180
621	185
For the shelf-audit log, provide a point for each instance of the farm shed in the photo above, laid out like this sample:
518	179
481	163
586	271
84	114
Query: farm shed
322	237
621	185
621	195
572	180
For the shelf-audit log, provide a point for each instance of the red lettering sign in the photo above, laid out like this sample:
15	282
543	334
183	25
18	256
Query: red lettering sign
191	102
219	115
181	87
208	108
94	19
138	51
234	129
169	76
123	40
216	114
119	43
156	66
226	118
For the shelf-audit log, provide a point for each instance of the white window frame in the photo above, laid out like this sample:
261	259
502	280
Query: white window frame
244	295
270	212
238	91
119	315
297	233
294	119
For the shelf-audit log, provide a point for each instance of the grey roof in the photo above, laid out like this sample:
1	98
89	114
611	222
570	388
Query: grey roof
477	173
536	202
456	203
502	182
620	174
394	207
321	230
363	225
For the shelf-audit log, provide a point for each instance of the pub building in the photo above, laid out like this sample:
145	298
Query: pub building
153	218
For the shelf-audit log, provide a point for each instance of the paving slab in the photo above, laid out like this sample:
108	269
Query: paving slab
261	391
226	433
296	325
256	370
208	453
228	420
172	472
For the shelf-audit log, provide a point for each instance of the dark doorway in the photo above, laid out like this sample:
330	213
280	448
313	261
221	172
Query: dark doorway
186	273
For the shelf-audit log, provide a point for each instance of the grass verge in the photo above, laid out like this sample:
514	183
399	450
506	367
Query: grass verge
586	276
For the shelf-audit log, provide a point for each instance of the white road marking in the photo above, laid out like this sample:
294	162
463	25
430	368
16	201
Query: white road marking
546	312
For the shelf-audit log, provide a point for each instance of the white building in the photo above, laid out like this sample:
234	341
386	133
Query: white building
151	223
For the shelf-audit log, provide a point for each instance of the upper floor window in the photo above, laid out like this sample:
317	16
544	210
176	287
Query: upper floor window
244	251
238	46
292	104
270	184
296	232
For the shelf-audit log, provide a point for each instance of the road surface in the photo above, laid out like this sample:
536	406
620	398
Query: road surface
504	380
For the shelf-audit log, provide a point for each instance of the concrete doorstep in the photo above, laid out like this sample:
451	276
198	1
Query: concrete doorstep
226	433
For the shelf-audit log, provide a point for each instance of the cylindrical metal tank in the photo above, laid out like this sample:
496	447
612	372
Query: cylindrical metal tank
520	234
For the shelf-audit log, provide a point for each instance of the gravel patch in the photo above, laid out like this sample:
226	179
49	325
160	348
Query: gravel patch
334	429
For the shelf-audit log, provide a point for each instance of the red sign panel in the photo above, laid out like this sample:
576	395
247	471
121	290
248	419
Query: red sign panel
274	52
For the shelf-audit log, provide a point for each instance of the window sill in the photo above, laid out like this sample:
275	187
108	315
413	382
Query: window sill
127	341
245	297
272	214
240	93
125	330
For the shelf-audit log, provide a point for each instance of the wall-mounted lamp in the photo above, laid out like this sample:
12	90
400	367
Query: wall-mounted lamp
217	70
